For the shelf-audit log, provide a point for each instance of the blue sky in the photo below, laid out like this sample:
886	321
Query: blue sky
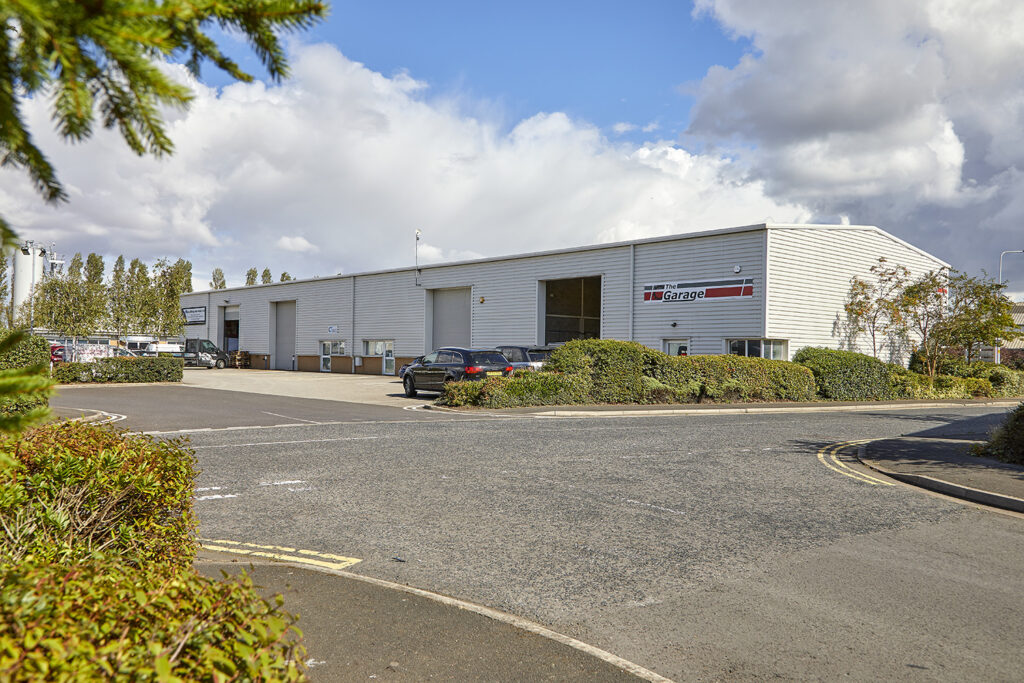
603	62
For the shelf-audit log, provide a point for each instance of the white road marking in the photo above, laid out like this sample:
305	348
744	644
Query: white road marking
282	483
109	419
289	417
279	443
217	495
209	488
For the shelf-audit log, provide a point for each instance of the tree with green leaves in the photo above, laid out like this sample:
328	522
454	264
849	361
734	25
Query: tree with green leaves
267	277
75	266
68	305
101	57
286	277
94	268
217	281
142	307
118	313
250	277
170	281
874	306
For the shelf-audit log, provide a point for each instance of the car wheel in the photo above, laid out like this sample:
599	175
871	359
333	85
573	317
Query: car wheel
221	364
410	386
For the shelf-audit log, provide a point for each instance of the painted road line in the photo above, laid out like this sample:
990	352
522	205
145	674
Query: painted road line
828	453
285	554
107	418
490	613
217	496
289	417
280	443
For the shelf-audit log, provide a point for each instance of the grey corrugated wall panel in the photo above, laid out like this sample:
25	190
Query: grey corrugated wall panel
810	272
705	323
452	317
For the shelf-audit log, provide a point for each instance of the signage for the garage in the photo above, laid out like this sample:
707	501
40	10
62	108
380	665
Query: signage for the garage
715	290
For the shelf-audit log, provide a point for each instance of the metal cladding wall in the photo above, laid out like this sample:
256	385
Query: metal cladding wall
809	277
780	282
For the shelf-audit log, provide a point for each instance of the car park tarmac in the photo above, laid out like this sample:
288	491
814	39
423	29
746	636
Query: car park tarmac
698	546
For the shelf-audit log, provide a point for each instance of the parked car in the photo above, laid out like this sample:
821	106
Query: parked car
401	370
57	353
527	357
451	364
204	353
156	348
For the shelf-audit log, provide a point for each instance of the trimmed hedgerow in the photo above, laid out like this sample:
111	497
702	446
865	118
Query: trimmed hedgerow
732	378
121	369
105	620
70	490
613	369
846	375
1007	442
907	384
523	389
30	352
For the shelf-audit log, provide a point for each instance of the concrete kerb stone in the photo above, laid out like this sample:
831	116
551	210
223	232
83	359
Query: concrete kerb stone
973	495
647	412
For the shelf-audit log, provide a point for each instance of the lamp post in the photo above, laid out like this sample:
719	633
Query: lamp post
998	355
29	249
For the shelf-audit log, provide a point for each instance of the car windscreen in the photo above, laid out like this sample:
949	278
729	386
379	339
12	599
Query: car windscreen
487	358
513	354
538	355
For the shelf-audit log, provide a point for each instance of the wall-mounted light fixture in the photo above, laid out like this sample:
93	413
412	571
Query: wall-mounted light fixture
674	324
482	299
737	269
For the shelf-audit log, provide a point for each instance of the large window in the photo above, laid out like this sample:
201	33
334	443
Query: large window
774	349
677	347
572	309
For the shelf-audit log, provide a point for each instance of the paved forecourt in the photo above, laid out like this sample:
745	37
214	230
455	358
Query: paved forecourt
696	546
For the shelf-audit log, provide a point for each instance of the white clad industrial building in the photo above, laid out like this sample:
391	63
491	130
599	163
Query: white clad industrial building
764	289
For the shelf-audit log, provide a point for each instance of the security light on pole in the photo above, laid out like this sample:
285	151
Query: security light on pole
998	355
418	233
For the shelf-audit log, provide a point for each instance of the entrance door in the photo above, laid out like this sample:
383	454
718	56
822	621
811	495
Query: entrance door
325	356
284	337
389	358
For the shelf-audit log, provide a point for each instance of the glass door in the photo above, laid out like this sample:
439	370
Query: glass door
389	358
325	356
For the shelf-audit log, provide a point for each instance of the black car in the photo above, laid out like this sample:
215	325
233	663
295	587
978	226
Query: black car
204	353
451	364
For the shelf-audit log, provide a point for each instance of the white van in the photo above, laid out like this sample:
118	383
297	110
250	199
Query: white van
156	348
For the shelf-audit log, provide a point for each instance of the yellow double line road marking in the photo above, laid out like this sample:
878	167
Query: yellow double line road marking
277	552
828	457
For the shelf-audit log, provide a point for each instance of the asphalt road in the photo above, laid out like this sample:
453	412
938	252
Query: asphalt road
702	547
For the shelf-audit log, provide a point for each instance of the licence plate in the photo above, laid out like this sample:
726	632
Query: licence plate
494	374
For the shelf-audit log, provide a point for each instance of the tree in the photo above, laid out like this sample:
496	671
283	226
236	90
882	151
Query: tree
924	304
140	297
266	278
94	269
218	279
250	277
68	305
285	277
170	281
874	307
118	312
75	267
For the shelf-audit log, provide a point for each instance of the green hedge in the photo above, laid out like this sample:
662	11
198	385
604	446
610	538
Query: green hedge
96	576
848	376
612	369
100	620
1007	442
120	369
72	489
526	389
907	384
1006	381
731	378
30	352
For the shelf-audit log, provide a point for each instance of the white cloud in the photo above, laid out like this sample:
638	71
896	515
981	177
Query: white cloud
296	243
906	115
651	127
357	161
623	127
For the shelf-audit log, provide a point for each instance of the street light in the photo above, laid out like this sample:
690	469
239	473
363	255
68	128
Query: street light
29	249
1001	255
418	233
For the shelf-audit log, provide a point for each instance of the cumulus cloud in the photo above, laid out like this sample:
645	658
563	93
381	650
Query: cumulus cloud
623	127
355	162
906	115
297	243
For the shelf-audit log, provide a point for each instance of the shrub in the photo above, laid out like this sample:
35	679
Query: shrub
846	375
466	393
103	620
908	384
522	389
31	352
121	369
718	378
70	490
1007	442
612	368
